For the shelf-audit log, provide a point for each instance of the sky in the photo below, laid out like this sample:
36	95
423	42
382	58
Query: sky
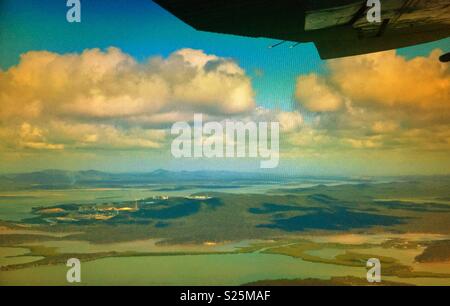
101	94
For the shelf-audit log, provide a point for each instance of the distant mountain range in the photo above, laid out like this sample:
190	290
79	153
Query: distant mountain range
69	179
61	179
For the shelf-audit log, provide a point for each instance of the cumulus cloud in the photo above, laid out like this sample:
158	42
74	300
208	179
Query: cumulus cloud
290	121
382	127
316	95
108	99
33	138
388	80
376	101
111	84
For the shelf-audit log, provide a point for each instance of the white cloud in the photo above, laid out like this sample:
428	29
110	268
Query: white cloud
317	96
290	121
111	84
374	101
108	99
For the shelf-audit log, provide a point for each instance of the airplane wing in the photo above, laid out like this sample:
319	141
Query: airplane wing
338	28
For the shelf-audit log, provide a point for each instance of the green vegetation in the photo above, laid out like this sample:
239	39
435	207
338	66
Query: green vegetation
436	251
279	218
233	217
334	281
391	267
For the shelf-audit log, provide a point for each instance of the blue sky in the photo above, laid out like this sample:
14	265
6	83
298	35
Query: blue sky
141	28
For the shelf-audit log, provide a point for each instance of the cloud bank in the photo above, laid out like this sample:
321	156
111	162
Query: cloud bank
108	99
378	101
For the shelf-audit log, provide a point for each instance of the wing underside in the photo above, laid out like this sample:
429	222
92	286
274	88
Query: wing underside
337	27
